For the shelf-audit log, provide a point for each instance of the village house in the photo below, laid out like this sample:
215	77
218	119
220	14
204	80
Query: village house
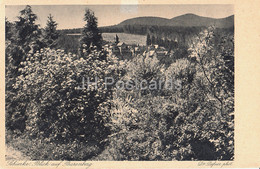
150	53
155	50
122	47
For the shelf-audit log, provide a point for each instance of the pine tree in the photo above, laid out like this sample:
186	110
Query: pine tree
22	37
90	34
148	40
51	35
28	32
27	37
117	39
153	40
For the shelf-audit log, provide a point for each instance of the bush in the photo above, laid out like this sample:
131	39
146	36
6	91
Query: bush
194	123
141	129
142	68
54	107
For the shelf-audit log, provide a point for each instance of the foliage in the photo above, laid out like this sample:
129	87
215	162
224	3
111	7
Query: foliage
22	37
194	123
28	33
212	73
48	91
175	52
143	68
51	35
90	33
68	43
8	29
116	39
212	66
148	40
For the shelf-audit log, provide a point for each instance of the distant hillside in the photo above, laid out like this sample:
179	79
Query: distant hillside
142	24
146	21
191	20
187	20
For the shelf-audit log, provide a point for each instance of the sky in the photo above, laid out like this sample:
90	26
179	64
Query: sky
71	16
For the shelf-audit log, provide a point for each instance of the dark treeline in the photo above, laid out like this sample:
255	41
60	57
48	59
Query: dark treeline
144	29
70	31
69	43
176	39
111	29
163	35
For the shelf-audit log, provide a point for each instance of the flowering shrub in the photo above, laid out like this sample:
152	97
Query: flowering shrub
140	128
194	123
48	91
205	126
142	68
215	77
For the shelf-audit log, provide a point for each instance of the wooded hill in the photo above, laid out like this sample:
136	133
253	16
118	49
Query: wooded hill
144	25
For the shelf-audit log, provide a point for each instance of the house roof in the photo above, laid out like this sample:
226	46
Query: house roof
120	44
149	53
137	48
152	52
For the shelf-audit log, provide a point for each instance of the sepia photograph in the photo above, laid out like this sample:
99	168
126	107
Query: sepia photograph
146	82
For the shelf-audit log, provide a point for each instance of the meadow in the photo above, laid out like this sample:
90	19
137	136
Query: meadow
70	42
126	38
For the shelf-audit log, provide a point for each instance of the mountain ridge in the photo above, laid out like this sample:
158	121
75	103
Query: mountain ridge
186	20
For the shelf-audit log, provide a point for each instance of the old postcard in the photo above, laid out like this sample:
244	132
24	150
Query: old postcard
132	84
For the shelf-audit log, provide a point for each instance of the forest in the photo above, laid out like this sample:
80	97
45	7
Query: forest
49	118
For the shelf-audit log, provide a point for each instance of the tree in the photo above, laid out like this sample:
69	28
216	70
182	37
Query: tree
153	40
22	37
117	39
51	34
148	40
8	30
157	40
28	32
166	43
215	77
90	34
14	118
27	37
